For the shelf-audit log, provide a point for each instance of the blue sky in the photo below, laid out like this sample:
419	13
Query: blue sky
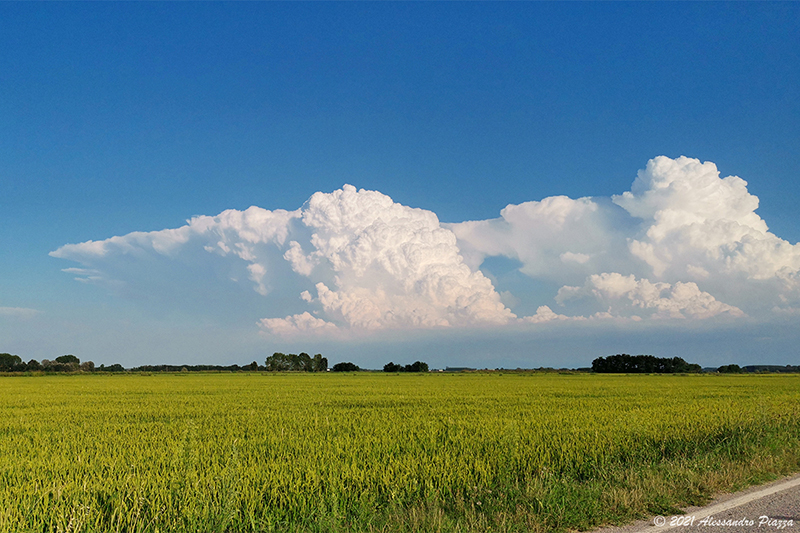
122	118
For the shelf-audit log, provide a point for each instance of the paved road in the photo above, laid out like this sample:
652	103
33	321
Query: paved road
771	507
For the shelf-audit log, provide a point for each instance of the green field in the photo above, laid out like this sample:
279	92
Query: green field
381	452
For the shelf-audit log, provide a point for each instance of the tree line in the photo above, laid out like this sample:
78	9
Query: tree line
252	367
758	369
416	366
277	362
63	363
645	364
302	362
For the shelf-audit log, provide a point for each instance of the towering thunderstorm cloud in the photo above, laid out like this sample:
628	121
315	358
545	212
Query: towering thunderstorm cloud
682	243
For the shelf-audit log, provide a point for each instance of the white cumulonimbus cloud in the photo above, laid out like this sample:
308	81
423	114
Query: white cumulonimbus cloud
697	224
300	323
374	263
393	265
682	243
625	296
557	237
680	223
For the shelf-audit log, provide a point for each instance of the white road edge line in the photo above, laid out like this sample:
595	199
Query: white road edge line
730	504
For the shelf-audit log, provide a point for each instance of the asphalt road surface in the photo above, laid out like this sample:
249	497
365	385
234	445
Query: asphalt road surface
771	507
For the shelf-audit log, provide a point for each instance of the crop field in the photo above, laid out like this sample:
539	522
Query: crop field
381	452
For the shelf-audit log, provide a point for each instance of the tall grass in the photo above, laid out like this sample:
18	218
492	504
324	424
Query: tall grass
375	452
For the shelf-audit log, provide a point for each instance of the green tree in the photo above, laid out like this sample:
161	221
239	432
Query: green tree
9	362
319	364
345	367
624	363
67	359
278	362
281	362
304	362
416	366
